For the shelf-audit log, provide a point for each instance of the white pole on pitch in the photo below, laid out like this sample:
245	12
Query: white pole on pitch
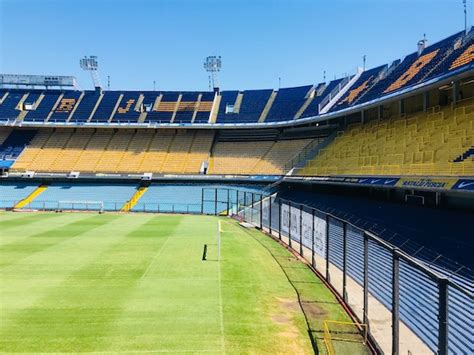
219	242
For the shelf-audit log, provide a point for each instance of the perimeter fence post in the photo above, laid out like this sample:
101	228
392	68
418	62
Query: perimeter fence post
202	200
261	211
270	214
344	261
328	276
245	206
279	219
395	302
301	230
443	329
228	202
313	263
215	201
366	279
289	224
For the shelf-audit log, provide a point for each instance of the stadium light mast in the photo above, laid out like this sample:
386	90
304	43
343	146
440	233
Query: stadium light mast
465	15
91	65
213	65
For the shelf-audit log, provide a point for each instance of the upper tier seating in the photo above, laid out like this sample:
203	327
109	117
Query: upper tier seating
313	107
451	56
251	107
421	144
106	106
44	107
166	108
359	88
8	108
126	111
85	106
413	68
204	108
65	106
287	103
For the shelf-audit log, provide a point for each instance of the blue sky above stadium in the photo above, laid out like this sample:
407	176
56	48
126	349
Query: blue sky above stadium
138	41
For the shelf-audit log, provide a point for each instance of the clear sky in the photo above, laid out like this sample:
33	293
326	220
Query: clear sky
138	41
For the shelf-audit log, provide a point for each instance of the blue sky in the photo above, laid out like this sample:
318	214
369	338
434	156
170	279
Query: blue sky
138	41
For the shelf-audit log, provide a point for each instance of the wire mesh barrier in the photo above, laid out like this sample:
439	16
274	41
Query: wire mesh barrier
406	305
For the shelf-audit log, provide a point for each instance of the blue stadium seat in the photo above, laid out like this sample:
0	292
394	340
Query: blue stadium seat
126	109
106	106
65	106
8	109
85	107
287	103
16	141
44	108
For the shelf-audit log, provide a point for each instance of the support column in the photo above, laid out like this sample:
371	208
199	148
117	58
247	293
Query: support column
443	329
395	303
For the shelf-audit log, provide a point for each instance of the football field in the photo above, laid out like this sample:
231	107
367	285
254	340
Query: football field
135	283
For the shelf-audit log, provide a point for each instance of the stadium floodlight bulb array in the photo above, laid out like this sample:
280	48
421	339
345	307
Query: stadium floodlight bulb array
91	65
213	65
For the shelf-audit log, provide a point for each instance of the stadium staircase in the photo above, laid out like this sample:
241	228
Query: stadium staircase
267	107
215	109
238	102
303	108
135	198
340	90
26	201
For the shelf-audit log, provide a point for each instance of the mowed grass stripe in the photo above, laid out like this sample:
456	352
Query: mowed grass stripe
31	228
80	311
16	251
24	283
175	306
12	220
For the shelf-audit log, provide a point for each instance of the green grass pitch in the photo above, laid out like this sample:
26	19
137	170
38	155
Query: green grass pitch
79	282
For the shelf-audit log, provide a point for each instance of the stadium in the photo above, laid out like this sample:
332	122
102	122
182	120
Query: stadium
331	218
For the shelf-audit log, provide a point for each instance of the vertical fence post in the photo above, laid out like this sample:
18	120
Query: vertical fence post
328	276
270	214
395	302
443	296
366	279
202	200
289	223
279	219
261	211
301	230
313	263
245	206
228	202
215	202
344	261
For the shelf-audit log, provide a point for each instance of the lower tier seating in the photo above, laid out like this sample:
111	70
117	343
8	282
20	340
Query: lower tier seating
264	157
106	150
420	144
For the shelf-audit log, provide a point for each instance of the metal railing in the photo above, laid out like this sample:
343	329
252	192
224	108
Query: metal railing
408	306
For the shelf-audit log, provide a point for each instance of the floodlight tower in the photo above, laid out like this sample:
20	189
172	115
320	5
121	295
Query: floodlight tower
91	65
464	2
213	65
